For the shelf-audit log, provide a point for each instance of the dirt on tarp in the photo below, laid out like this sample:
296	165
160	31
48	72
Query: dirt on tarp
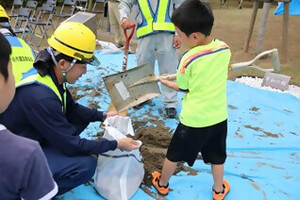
155	140
93	93
155	137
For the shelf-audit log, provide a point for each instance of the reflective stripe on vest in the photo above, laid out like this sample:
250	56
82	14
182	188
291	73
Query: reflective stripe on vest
159	21
22	56
32	76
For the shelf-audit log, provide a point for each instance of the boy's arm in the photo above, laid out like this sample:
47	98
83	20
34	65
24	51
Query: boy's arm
170	84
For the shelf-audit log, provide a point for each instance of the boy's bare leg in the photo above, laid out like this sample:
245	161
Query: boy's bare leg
167	171
218	172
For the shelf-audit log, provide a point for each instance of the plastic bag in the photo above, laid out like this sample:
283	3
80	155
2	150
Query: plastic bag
118	173
108	48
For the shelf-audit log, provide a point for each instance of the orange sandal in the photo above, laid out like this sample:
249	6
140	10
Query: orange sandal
221	195
163	190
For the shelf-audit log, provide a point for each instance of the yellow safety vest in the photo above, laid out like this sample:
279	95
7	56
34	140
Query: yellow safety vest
22	56
32	76
159	21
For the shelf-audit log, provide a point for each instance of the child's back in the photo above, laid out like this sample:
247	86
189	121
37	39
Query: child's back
203	71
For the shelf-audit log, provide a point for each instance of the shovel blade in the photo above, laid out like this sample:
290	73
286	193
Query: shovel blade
124	97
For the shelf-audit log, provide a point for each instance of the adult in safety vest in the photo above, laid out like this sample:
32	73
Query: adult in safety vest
156	40
22	55
44	110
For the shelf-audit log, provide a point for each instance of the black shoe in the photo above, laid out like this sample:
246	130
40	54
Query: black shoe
171	112
139	106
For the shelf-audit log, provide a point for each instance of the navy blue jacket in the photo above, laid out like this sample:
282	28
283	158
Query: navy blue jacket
36	113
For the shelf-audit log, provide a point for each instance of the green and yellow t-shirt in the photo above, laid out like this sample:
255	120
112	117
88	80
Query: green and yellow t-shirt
203	72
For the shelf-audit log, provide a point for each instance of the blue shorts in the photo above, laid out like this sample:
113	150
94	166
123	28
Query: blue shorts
187	142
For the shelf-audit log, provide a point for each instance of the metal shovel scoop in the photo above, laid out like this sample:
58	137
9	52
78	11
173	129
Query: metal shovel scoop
124	97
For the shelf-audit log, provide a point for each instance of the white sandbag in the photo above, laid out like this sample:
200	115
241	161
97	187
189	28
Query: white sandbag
118	173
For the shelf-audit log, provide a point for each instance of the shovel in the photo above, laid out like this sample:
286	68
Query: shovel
124	65
124	97
249	64
137	85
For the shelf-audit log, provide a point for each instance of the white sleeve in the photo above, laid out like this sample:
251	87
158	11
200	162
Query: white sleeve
125	8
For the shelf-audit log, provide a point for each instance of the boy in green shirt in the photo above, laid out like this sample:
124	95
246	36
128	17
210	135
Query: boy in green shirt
202	75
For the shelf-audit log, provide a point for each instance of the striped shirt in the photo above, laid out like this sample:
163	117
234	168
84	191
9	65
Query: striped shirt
203	72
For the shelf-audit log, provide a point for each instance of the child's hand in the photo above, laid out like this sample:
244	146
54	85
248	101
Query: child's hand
170	84
162	80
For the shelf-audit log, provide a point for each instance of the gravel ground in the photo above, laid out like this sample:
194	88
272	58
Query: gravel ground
256	82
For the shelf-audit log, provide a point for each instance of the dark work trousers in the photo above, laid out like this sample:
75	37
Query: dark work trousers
70	172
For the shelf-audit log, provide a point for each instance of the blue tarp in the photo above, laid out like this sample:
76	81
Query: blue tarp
263	143
294	8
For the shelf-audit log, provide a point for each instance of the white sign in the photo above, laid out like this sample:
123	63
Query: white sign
276	81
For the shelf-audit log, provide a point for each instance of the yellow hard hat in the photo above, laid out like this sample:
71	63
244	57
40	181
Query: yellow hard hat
76	40
3	12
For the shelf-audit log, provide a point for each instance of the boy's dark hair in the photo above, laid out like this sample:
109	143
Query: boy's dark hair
5	51
193	16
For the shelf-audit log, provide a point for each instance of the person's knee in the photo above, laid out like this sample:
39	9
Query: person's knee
85	169
88	166
81	171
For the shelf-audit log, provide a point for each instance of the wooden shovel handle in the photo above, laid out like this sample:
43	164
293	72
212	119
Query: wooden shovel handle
274	53
126	48
127	39
169	77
